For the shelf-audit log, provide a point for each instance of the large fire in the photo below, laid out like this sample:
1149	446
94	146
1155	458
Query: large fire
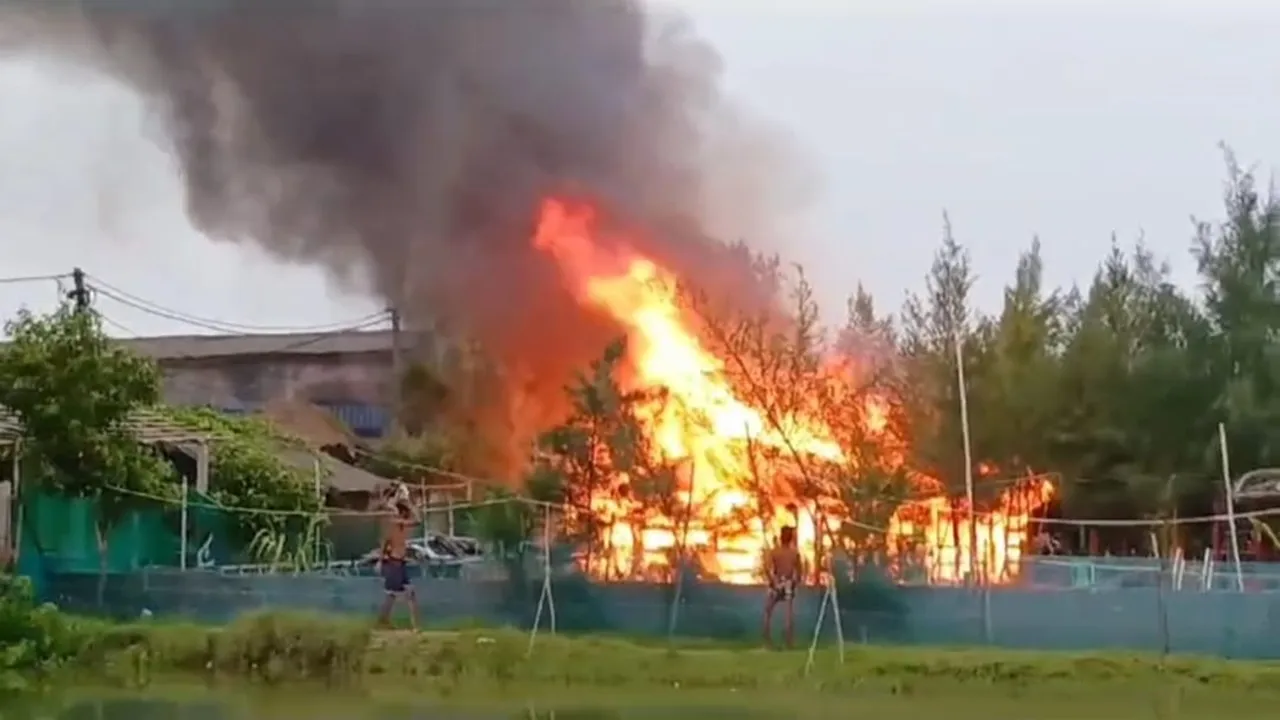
732	531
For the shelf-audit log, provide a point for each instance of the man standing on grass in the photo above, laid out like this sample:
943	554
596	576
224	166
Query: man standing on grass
393	560
783	568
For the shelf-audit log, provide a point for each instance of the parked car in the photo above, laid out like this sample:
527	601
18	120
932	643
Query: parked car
437	554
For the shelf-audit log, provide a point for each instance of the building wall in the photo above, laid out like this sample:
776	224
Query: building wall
354	385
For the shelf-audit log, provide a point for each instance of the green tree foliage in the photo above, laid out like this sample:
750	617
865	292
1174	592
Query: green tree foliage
1117	387
75	391
1239	262
932	325
276	509
1136	406
1016	372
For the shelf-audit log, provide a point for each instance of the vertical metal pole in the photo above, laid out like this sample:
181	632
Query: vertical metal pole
1231	505
81	293
395	386
182	538
428	500
546	567
968	461
449	509
968	491
17	497
319	490
987	630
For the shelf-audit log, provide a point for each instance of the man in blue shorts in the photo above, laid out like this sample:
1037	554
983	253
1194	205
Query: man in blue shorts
393	562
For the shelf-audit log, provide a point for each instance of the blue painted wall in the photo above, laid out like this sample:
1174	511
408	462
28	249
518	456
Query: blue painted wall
366	421
1228	624
1145	572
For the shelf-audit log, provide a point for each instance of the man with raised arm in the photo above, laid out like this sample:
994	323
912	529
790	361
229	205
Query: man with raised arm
393	559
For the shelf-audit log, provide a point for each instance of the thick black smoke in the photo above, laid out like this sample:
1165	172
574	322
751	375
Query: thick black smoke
404	145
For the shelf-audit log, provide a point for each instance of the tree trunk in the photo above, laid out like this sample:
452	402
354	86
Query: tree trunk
590	532
637	548
818	538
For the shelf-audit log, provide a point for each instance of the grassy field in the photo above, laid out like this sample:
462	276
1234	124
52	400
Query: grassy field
497	666
183	698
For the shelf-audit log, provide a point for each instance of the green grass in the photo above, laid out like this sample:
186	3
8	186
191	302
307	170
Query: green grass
958	702
335	662
496	665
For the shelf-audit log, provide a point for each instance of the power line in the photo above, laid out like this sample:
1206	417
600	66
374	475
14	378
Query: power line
313	337
100	287
165	314
310	337
373	322
117	325
32	278
161	311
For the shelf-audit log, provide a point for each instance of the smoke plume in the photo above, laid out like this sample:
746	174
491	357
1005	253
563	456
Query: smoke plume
403	146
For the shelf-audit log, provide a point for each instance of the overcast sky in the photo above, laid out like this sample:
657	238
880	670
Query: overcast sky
1070	125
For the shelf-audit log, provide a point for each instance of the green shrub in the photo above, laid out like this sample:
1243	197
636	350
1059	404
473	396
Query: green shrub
33	638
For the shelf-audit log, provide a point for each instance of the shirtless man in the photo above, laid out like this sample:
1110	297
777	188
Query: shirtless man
783	568
393	560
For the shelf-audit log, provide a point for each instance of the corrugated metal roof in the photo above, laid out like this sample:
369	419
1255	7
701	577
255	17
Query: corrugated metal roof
189	347
365	420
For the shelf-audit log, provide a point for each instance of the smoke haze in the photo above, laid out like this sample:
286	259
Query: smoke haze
404	146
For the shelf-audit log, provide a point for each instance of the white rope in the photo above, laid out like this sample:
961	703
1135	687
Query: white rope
426	507
335	512
1149	522
1088	561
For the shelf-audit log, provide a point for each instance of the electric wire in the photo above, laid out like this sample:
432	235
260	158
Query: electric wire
137	302
129	334
17	280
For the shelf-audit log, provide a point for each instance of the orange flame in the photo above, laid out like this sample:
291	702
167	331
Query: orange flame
731	532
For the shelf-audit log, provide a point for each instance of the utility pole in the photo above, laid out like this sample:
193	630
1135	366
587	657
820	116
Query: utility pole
79	293
396	386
